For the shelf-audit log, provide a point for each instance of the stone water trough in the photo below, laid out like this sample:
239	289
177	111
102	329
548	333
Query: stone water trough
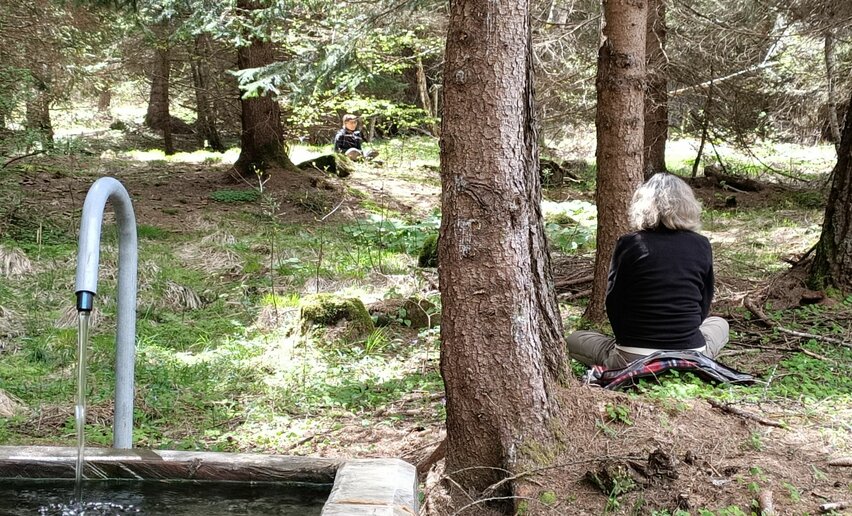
357	486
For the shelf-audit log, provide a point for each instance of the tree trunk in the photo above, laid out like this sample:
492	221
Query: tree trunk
262	137
619	121
38	112
205	122
425	99
104	99
558	13
423	88
656	94
502	349
831	78
158	114
832	265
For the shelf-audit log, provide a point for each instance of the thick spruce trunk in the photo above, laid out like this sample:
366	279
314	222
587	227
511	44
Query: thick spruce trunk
620	125
656	94
502	348
157	116
262	137
832	266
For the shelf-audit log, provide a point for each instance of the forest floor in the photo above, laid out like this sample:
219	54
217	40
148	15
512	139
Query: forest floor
222	366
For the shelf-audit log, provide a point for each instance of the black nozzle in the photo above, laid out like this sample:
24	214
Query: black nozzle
85	301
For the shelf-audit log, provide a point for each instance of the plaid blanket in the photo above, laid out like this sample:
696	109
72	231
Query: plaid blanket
661	361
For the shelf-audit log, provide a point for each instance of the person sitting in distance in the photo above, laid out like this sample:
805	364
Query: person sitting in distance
660	283
348	140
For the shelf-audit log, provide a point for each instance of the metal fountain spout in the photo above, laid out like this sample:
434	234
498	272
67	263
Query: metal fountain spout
86	287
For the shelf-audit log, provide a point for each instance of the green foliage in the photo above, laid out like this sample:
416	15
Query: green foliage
754	441
547	498
570	225
675	385
376	341
618	414
793	491
235	196
812	377
393	234
428	256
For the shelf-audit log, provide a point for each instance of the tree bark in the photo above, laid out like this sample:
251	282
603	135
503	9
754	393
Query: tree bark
425	99
158	115
832	266
656	94
831	77
557	14
104	99
205	122
502	349
262	137
620	123
38	111
423	88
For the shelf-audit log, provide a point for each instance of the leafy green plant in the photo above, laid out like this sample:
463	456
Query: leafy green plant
754	441
570	225
393	234
793	492
547	498
618	414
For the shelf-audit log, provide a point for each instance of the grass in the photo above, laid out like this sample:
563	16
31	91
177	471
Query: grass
222	365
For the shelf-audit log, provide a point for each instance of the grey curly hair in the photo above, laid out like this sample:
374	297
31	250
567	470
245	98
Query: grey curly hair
665	200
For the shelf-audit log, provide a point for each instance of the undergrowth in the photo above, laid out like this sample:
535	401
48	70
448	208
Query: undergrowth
221	364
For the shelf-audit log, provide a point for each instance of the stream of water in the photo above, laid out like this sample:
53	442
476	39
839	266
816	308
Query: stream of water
80	407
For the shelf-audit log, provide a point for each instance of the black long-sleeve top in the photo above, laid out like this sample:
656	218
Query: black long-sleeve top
346	139
660	288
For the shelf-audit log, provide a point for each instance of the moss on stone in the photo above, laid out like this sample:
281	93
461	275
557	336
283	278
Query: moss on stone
429	252
329	310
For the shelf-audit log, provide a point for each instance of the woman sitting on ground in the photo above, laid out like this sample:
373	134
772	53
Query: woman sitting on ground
660	283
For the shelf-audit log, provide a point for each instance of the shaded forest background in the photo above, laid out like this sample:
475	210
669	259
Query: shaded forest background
740	72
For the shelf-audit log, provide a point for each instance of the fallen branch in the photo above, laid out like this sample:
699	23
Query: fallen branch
834	506
577	295
560	284
756	310
522	474
22	157
814	355
724	407
843	462
764	502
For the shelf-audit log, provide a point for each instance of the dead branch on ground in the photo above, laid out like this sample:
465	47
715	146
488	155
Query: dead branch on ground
724	407
764	502
16	158
845	462
835	506
757	311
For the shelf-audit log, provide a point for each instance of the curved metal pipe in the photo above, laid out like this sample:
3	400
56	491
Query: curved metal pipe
86	287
